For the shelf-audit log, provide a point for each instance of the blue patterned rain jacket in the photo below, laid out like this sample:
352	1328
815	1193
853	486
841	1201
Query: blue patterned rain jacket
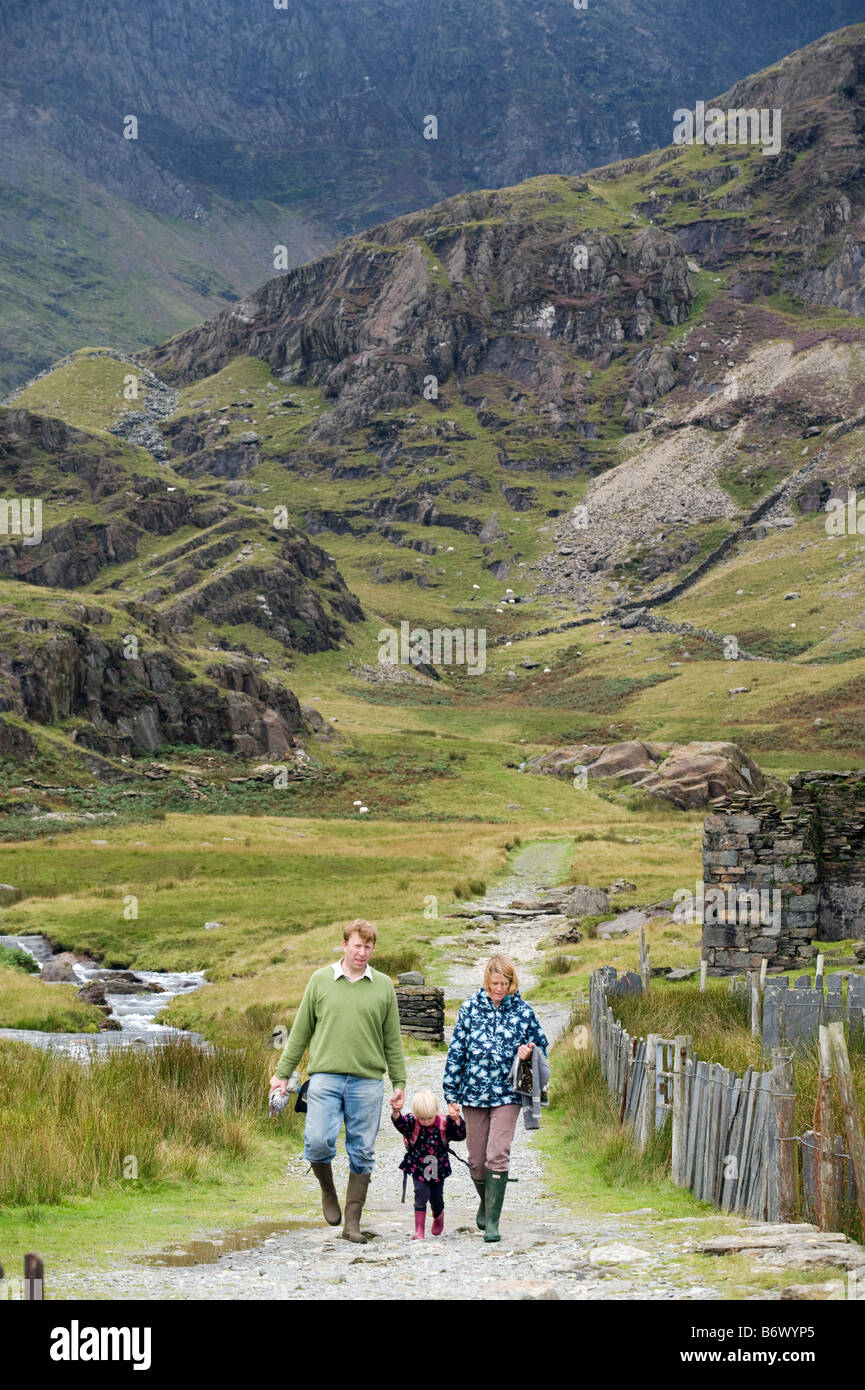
483	1046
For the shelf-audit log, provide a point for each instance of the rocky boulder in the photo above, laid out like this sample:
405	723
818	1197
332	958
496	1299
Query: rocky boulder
58	970
578	900
92	993
688	774
695	773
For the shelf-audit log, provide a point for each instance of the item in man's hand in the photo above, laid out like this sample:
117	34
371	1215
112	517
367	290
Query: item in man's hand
278	1103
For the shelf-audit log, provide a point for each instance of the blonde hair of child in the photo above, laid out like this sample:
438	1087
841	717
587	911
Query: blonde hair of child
425	1105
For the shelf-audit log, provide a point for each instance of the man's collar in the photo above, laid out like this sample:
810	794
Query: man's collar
338	970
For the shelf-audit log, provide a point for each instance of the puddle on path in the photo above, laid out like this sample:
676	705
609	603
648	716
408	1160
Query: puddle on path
207	1250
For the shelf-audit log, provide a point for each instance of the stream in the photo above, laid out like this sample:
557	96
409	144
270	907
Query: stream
135	1013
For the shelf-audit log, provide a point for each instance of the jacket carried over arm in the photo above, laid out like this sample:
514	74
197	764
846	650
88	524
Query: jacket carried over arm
350	1027
531	1104
484	1041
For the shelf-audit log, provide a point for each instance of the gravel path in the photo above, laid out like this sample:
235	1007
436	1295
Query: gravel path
548	1251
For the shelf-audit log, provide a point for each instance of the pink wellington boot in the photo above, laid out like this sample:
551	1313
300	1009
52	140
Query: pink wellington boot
419	1225
438	1224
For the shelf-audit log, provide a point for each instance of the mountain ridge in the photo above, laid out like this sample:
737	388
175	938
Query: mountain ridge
292	128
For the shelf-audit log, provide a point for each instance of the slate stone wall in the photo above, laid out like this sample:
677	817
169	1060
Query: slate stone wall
421	1011
787	876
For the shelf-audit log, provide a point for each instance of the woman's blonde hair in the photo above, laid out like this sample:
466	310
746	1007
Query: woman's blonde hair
501	965
425	1105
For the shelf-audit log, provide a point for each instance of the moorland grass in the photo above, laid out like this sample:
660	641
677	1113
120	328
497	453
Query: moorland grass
25	1002
71	1126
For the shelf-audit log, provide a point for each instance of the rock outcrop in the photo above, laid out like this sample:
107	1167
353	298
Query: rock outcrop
121	674
369	328
119	705
689	774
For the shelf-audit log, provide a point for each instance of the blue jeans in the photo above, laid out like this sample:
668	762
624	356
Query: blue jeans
333	1097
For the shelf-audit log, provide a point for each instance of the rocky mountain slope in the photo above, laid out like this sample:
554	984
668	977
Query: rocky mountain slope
619	402
115	611
549	321
263	126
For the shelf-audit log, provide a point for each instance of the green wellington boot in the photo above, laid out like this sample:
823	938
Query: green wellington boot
329	1199
354	1200
495	1196
481	1189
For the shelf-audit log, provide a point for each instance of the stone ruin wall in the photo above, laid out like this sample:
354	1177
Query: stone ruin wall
812	854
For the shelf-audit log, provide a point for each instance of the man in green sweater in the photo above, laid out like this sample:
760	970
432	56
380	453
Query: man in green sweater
349	1020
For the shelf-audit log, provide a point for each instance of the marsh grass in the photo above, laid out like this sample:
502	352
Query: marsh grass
591	1121
718	1020
395	962
558	965
25	1002
81	1127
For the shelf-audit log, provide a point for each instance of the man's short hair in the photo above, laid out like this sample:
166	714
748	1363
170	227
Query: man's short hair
365	930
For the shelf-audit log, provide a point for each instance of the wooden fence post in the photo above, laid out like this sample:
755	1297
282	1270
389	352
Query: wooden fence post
647	1118
630	1054
704	970
824	1158
681	1052
756	1019
644	961
764	966
850	1110
783	1101
34	1274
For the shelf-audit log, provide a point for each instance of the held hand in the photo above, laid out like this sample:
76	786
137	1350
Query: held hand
280	1084
525	1051
397	1100
454	1111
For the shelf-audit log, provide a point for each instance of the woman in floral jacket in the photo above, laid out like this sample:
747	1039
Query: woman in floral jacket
491	1026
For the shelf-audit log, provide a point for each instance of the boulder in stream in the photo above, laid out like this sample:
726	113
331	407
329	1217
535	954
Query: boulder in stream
59	969
92	993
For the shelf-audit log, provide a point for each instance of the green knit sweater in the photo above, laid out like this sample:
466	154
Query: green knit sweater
350	1027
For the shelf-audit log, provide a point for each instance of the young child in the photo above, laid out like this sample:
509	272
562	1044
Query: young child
427	1134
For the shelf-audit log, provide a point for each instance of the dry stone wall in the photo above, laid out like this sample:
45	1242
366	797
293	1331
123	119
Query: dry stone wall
774	880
